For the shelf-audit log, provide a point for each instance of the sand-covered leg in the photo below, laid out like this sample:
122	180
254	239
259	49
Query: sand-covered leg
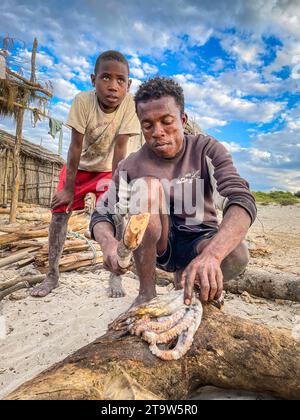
57	236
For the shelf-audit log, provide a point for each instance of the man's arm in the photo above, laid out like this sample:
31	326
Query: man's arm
120	150
206	268
66	195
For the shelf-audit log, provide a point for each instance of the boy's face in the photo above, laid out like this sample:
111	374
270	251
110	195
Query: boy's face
111	83
163	126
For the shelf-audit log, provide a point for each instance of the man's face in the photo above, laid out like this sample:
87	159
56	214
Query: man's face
162	125
111	83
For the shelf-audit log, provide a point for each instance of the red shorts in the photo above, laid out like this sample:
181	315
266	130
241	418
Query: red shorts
85	182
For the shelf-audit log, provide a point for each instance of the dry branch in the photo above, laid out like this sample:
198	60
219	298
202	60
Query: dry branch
17	256
23	284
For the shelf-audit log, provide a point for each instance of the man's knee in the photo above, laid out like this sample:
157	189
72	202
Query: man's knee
154	229
241	255
147	196
236	262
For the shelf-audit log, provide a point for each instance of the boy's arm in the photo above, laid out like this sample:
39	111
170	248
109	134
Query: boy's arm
120	150
66	195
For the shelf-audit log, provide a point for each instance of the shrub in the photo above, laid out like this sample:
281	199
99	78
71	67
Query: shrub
276	197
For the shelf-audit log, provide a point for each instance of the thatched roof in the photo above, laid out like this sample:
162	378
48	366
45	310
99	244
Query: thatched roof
192	128
7	141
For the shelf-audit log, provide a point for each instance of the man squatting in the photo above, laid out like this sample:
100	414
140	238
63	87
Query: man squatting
203	253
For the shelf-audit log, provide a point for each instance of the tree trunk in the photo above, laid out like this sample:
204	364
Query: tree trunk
271	284
228	352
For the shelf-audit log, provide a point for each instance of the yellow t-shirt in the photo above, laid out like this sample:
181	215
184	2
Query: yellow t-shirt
100	130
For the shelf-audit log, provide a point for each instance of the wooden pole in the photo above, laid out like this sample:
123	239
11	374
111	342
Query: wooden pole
25	181
52	185
17	148
38	183
6	177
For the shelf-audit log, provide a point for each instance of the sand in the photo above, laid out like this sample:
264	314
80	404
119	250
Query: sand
41	332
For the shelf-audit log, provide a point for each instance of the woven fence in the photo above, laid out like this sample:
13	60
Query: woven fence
39	172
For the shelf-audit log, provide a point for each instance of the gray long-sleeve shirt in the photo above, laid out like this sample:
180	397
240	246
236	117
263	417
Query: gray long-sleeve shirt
201	175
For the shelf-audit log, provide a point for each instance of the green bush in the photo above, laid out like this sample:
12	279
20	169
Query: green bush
276	197
297	194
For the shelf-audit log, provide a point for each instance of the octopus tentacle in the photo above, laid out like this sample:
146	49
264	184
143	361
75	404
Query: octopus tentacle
161	325
185	340
165	337
161	321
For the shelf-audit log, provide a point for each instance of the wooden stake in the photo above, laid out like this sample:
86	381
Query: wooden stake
6	177
52	185
17	148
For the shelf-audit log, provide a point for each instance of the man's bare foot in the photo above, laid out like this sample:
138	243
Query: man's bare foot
115	289
143	298
45	288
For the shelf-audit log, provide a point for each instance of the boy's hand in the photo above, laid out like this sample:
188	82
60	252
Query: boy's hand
110	261
62	198
205	272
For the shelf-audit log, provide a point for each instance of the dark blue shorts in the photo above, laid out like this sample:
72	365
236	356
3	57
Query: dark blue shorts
182	246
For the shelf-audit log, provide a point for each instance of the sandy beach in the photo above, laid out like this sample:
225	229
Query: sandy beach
41	332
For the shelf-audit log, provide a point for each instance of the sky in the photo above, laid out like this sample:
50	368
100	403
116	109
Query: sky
238	63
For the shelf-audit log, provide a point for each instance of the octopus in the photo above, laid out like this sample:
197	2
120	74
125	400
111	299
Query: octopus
163	321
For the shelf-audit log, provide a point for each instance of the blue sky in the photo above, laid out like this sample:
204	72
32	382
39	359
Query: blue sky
238	62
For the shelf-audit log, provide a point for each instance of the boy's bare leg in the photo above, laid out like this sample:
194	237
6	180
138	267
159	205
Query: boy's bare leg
155	241
115	289
57	236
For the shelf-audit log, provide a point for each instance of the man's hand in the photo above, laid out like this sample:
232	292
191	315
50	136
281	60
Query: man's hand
110	260
204	271
62	198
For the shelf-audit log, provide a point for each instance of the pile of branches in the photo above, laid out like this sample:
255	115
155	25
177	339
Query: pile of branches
25	244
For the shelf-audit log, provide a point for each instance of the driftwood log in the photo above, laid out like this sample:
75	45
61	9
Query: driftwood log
228	352
269	284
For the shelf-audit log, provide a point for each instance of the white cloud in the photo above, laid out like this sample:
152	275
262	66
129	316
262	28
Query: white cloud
246	51
232	147
64	89
139	73
257	155
208	122
150	69
215	99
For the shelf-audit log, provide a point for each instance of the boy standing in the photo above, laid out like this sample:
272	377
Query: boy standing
102	122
